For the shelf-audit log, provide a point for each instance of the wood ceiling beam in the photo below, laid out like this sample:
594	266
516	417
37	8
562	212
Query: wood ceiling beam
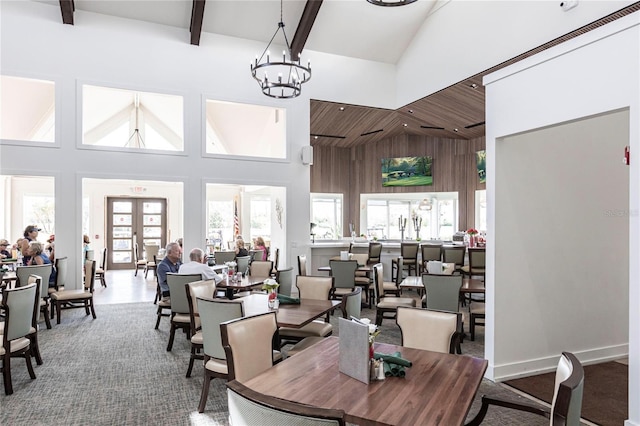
197	14
67	7
307	19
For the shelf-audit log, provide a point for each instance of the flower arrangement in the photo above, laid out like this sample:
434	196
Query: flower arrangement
472	231
270	285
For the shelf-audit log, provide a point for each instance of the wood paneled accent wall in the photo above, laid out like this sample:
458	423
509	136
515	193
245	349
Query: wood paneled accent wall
355	171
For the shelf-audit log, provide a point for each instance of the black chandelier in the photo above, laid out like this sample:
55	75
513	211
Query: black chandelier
391	2
287	76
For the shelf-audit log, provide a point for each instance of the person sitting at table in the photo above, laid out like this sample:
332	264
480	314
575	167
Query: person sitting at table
170	263
30	234
240	250
36	254
258	244
4	253
50	248
198	265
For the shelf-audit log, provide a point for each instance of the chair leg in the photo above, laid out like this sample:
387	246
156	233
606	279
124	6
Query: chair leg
27	358
58	309
159	316
205	392
6	373
378	318
192	359
33	342
172	333
47	321
86	306
93	310
472	327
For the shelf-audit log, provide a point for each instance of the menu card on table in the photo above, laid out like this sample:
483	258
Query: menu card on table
354	350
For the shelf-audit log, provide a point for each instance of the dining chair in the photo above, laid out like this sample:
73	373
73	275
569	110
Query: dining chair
428	329
261	268
455	255
350	306
315	288
162	305
476	266
179	304
223	257
284	277
18	305
409	254
213	312
386	304
139	262
430	252
276	260
375	251
195	289
242	263
44	271
250	408
102	269
476	318
250	345
566	406
359	248
151	254
442	292
256	254
344	275
302	264
33	332
80	298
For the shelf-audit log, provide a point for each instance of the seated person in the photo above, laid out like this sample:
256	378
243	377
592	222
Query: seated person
36	254
4	253
170	263
259	245
240	250
198	265
50	248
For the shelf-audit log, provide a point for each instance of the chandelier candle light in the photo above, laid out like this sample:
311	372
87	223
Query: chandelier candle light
290	73
402	225
417	223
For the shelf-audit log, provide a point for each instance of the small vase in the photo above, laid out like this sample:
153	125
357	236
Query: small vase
370	350
472	241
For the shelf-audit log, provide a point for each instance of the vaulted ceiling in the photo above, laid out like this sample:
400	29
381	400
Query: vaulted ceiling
456	112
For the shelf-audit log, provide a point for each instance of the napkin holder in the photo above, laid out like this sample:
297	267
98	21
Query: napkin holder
344	255
354	350
434	267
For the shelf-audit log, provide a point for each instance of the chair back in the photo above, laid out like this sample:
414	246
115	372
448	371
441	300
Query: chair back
314	287
136	254
276	258
428	329
195	289
151	251
302	264
344	273
375	251
431	252
256	254
223	257
213	312
44	271
248	343
34	279
409	251
89	255
378	282
247	407
176	282
89	275
18	304
454	255
359	248
351	305
443	291
243	264
103	259
361	258
285	279
62	264
567	396
261	268
477	257
399	276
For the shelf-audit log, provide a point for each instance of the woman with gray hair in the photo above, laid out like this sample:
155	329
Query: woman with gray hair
37	257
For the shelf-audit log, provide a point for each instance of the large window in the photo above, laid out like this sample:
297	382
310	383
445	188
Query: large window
326	216
260	213
26	200
27	109
481	210
423	215
129	119
245	130
220	218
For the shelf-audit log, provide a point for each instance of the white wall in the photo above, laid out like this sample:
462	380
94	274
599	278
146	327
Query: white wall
137	55
595	74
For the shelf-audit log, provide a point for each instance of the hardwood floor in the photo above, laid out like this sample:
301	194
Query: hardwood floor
123	287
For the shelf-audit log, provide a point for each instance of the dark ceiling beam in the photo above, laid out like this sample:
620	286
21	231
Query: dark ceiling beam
67	7
197	14
309	14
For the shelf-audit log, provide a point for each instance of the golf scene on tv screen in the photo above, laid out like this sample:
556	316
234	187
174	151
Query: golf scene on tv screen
406	171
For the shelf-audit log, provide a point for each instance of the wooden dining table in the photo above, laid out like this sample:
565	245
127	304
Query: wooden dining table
469	285
247	283
289	315
438	389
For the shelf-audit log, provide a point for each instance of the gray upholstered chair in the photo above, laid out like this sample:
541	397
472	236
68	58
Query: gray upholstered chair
195	289
436	331
251	408
261	268
179	304
344	275
80	298
249	344
285	279
243	264
310	287
455	255
223	257
213	312
476	266
163	305
386	304
567	396
442	292
18	305
44	271
102	269
256	255
409	254
302	264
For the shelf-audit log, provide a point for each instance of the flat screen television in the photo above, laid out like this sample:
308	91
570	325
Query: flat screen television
407	171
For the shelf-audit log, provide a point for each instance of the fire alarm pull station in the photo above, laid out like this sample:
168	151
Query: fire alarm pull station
626	155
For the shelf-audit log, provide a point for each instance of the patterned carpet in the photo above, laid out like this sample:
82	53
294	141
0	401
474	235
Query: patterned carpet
115	370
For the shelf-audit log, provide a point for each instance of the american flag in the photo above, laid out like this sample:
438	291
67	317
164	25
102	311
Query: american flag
236	220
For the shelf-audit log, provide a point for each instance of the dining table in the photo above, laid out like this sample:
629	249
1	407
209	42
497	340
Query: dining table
247	282
469	285
438	388
289	315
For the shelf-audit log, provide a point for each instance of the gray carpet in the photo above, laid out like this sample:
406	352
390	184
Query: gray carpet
115	370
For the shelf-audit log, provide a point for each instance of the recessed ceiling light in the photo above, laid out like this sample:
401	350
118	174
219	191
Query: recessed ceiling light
405	124
341	108
410	111
315	137
473	86
455	130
